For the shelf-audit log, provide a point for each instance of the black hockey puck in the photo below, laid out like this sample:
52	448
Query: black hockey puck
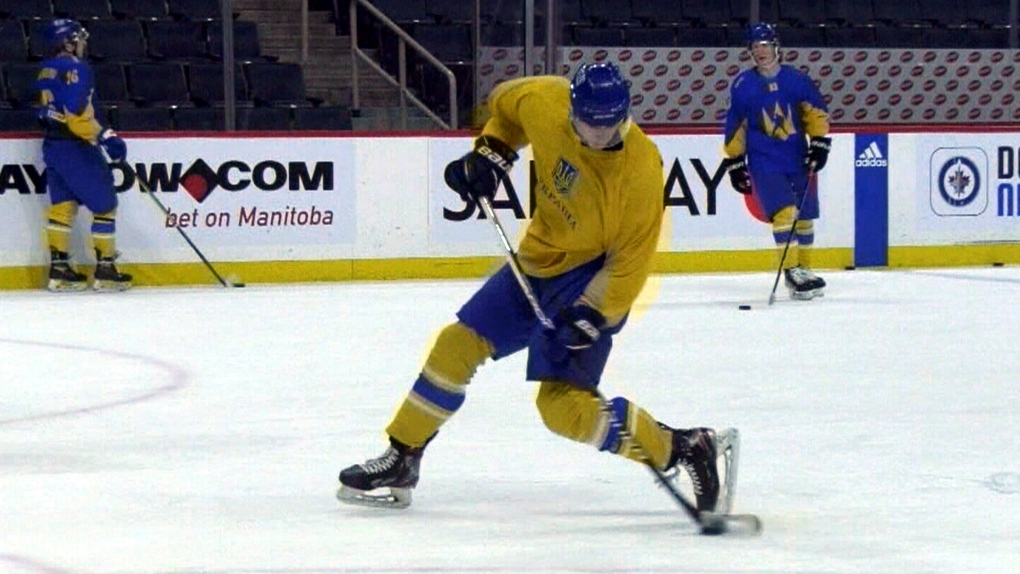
849	268
745	307
239	285
997	264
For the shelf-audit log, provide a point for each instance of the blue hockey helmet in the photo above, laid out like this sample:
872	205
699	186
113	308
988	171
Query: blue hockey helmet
761	32
599	96
63	30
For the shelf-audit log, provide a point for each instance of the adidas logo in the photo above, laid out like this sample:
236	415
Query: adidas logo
871	157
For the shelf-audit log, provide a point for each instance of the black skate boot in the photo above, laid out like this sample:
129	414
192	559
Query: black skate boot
803	284
107	277
694	451
396	469
63	277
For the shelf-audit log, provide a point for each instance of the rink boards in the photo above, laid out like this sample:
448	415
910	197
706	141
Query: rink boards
287	207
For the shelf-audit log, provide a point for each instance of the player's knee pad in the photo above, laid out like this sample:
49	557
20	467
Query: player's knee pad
782	221
456	355
63	213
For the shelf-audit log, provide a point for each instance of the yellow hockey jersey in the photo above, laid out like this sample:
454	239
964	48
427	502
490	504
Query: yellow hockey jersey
588	202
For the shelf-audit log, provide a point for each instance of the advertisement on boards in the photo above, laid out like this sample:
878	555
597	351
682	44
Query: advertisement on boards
969	186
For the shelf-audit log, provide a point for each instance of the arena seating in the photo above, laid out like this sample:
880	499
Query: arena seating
157	66
129	37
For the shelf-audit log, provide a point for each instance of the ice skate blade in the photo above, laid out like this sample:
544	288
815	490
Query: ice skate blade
805	295
110	286
397	498
61	286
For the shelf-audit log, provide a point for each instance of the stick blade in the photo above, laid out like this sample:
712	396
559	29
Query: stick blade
746	525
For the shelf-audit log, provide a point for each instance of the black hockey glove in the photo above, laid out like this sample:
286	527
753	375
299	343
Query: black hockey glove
740	179
478	173
817	153
577	327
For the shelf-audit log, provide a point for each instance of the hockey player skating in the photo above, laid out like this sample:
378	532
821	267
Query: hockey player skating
587	253
77	172
775	140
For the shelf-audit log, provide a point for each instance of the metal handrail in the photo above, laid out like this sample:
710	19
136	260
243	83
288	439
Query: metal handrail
403	39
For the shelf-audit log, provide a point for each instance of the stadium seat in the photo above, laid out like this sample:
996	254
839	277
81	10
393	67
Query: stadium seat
502	34
943	38
504	11
37	46
158	84
810	37
26	9
944	13
20	84
206	85
802	12
276	84
988	12
649	37
850	37
195	10
889	37
83	9
246	41
585	36
13	44
707	12
447	42
199	119
768	11
850	12
323	118
131	119
404	11
139	9
176	40
451	11
264	119
899	12
569	12
116	41
111	85
704	37
18	121
657	12
607	11
988	38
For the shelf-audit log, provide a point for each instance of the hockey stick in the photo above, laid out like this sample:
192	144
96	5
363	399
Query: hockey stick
793	231
166	212
708	522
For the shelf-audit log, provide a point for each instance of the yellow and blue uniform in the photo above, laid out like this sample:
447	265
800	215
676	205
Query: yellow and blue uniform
76	169
591	241
769	119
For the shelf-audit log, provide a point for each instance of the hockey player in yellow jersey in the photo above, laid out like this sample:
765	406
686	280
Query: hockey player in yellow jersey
587	253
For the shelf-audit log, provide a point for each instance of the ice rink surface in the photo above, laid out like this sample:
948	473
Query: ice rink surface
201	430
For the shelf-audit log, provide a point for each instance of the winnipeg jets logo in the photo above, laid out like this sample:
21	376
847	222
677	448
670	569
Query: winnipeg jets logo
959	181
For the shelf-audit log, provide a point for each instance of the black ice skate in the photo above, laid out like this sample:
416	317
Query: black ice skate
107	277
396	469
62	276
803	284
694	450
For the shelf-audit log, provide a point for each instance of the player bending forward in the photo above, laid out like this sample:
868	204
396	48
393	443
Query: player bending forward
587	252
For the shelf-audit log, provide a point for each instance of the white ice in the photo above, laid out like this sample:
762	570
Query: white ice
201	430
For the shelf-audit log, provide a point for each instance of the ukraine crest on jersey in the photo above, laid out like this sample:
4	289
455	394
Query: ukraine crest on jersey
564	176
